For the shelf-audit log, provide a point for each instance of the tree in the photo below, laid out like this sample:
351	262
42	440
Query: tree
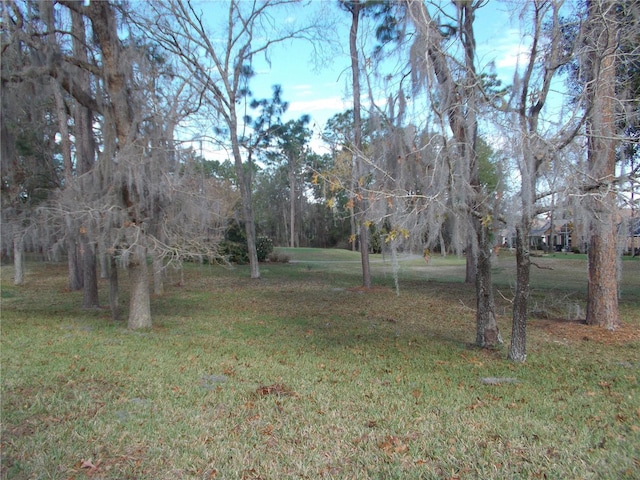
141	196
356	8
289	141
116	75
81	250
222	72
601	65
339	135
536	143
457	104
30	159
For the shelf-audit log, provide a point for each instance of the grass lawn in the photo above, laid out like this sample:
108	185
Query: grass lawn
303	375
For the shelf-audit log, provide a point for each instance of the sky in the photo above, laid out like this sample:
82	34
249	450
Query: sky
323	91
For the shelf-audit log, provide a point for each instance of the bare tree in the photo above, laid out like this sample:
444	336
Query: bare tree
220	64
28	163
537	142
457	106
356	9
139	197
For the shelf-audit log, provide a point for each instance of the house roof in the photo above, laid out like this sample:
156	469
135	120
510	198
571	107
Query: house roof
542	228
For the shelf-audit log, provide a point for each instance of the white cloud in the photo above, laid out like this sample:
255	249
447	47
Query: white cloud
512	56
506	52
325	105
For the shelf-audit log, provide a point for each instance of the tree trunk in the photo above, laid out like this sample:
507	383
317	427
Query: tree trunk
518	348
354	229
459	103
364	253
292	204
244	182
82	116
114	292
103	260
140	304
602	295
602	290
471	270
18	259
158	275
74	254
360	200
443	247
488	333
250	230
90	298
74	265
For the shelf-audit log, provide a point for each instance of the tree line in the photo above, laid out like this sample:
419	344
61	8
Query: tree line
100	165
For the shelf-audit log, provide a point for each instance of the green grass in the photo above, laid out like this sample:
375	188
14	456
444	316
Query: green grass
299	375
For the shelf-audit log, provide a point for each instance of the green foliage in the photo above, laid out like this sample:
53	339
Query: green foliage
264	247
377	237
487	166
234	247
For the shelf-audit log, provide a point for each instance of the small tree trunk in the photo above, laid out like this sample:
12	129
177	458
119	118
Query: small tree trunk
488	333
443	248
471	264
352	223
114	293
18	259
244	181
74	266
158	275
90	298
286	226
518	349
364	254
292	205
140	304
103	259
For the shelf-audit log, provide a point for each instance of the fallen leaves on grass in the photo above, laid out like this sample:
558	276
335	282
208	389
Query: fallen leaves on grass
251	473
579	331
88	466
278	389
393	444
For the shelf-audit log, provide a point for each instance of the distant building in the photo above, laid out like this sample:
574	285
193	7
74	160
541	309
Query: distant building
565	237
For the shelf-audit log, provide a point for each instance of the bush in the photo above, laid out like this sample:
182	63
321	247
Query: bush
279	257
264	247
235	248
235	252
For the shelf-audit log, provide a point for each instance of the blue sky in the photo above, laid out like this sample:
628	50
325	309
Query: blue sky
323	92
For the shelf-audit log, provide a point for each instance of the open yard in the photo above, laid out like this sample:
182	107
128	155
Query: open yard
303	375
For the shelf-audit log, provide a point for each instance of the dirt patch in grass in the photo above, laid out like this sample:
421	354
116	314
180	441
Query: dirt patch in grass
578	331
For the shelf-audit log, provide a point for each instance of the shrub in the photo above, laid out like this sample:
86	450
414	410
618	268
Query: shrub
235	252
235	249
279	257
264	248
